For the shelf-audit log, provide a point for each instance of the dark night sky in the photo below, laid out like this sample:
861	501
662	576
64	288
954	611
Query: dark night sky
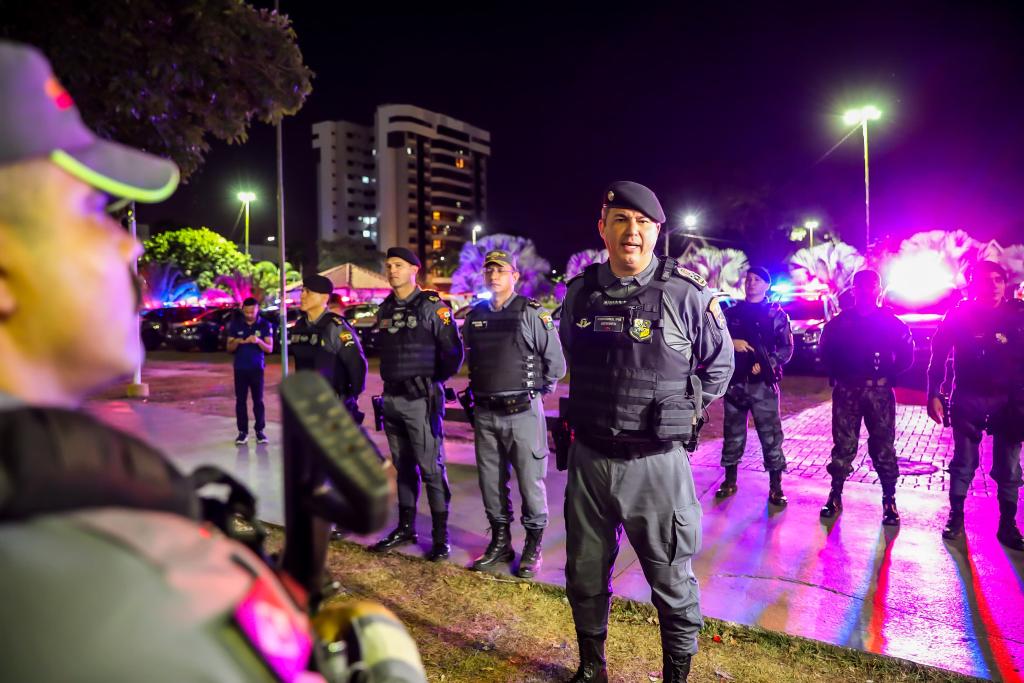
690	102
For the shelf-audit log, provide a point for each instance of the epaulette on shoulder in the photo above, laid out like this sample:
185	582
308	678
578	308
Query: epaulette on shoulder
692	277
533	303
433	297
574	278
335	318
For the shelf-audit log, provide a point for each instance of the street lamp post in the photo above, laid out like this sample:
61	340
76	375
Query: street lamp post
477	229
811	226
860	117
246	198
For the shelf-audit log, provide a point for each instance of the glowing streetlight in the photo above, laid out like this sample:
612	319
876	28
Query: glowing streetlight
477	229
246	198
690	222
860	117
811	226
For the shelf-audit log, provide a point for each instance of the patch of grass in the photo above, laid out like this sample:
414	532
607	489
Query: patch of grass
487	629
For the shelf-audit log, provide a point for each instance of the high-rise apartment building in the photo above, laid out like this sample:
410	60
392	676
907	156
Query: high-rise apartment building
416	179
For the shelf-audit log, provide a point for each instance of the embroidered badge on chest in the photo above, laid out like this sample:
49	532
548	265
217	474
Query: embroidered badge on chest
411	322
583	323
640	330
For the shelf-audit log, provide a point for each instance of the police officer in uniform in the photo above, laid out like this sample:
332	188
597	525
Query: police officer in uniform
94	523
514	358
324	341
648	349
763	339
420	349
985	334
864	349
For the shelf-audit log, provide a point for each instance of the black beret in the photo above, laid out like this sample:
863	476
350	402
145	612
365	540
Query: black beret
625	194
984	268
318	284
404	254
250	301
761	273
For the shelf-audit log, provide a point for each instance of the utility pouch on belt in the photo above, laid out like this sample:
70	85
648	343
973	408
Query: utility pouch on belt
468	405
416	387
562	435
378	412
700	416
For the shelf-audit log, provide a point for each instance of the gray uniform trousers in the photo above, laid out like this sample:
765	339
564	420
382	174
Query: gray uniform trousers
504	442
762	402
969	413
653	498
416	452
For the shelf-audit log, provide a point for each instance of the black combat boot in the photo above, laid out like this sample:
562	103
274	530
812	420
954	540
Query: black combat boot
499	550
728	486
440	550
955	524
834	504
1009	534
675	669
403	534
592	667
775	495
890	515
530	561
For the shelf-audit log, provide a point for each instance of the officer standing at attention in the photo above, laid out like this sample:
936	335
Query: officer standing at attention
420	349
763	339
986	336
250	338
324	341
514	358
864	349
648	350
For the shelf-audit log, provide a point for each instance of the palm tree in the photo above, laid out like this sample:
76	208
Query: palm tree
533	269
832	264
722	268
164	283
581	259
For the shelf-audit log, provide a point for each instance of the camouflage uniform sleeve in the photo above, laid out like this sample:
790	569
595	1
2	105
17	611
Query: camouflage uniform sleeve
942	344
783	331
711	343
448	340
544	338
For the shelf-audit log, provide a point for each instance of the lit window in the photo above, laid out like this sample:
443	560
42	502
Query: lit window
459	163
460	218
367	233
437	244
374	152
458	204
366	179
437	215
408	150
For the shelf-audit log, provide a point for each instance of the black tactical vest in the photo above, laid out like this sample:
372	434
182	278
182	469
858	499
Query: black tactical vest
626	381
499	360
755	324
307	344
407	345
988	356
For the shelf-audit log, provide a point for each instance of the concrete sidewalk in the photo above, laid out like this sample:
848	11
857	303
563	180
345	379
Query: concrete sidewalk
903	593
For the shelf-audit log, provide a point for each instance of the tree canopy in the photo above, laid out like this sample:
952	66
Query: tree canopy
167	75
200	254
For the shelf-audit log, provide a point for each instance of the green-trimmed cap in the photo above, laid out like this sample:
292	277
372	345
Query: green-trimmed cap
502	258
38	119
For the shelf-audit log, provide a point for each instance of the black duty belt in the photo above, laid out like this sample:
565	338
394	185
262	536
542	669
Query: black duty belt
880	382
511	404
619	449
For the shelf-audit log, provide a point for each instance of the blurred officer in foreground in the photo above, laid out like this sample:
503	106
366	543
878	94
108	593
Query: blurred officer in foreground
324	341
763	340
864	349
250	339
108	573
985	334
514	358
648	350
420	349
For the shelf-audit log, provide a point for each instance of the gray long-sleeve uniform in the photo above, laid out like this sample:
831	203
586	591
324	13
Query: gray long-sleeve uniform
651	496
514	352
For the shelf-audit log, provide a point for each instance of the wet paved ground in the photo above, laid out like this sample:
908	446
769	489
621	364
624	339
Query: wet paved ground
902	593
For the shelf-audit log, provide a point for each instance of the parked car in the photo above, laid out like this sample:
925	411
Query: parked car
274	316
154	324
363	317
206	332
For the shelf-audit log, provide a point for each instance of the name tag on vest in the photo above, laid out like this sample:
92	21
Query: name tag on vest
608	323
479	324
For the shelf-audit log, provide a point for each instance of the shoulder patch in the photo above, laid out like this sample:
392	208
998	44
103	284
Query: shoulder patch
549	323
715	313
445	314
693	277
